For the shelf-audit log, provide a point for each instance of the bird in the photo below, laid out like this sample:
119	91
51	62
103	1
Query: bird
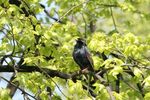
82	56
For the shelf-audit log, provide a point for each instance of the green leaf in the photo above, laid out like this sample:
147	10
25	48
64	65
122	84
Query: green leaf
28	60
4	94
137	72
147	96
97	62
114	72
147	81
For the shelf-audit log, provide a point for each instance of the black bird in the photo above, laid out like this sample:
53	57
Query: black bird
82	56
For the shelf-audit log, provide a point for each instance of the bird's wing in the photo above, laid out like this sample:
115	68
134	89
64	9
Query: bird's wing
89	58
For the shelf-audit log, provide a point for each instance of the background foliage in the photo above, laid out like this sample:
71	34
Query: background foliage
44	35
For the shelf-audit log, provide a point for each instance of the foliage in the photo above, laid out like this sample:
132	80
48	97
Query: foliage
4	94
118	29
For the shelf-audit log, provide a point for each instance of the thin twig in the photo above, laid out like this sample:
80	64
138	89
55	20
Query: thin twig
29	8
69	11
85	26
107	5
110	93
13	40
52	17
131	86
113	19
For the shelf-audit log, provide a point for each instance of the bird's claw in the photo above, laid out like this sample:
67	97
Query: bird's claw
85	70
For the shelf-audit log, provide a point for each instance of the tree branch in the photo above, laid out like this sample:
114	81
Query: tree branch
11	87
18	88
46	12
25	68
55	73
